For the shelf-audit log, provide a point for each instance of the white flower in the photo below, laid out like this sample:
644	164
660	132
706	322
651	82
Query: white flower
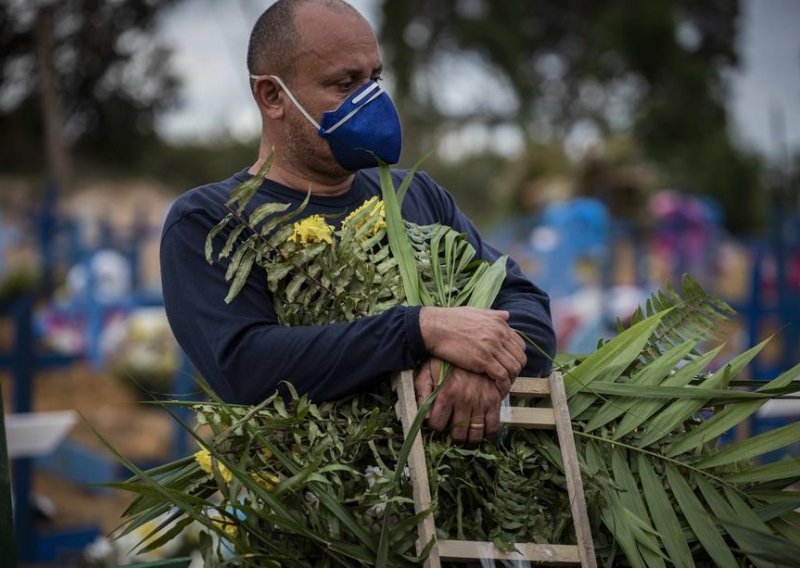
373	474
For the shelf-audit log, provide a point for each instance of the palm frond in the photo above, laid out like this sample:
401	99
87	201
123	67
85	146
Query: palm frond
661	416
697	317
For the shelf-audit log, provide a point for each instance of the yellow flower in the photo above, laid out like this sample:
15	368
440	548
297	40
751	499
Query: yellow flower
231	530
205	459
312	229
228	527
266	479
374	206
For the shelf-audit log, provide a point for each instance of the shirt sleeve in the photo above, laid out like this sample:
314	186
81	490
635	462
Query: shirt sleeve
527	304
242	350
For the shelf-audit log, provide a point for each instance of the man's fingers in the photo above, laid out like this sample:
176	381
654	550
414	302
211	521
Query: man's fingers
510	362
503	386
439	416
517	340
423	383
515	346
492	409
461	424
477	429
496	371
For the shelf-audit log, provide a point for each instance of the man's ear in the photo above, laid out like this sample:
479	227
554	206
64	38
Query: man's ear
267	92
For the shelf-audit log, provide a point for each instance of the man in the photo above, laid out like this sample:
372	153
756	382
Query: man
306	58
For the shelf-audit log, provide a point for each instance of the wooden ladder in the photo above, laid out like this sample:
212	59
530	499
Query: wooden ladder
557	417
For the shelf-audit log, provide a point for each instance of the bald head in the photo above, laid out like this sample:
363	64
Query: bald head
276	38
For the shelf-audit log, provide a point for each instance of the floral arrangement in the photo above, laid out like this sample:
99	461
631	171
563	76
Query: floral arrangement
292	483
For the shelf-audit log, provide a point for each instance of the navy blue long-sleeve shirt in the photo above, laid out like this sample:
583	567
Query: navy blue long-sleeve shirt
242	350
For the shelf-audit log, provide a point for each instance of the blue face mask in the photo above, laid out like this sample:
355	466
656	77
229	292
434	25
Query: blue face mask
363	129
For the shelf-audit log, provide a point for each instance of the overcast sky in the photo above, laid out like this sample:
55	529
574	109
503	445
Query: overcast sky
209	39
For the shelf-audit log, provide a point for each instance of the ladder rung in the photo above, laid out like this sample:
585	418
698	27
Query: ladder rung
464	550
531	388
523	417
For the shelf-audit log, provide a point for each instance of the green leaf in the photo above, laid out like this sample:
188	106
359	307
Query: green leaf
608	362
728	418
265	210
231	241
165	537
276	273
293	288
709	395
651	374
681	411
241	275
236	259
721	509
777	507
641	412
784	469
699	520
487	288
243	192
209	248
766	546
632	500
752	447
398	238
615	517
788	527
663	515
329	501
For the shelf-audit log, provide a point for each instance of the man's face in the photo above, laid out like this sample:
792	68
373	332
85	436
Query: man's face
338	54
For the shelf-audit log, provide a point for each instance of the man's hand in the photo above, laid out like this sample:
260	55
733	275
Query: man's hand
469	402
476	340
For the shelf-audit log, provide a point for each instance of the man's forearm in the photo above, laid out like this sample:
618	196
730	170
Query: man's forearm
327	362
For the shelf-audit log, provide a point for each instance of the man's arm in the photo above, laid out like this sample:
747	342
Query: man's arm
528	305
244	353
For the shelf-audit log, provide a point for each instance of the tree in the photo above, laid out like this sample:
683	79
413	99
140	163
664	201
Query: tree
656	68
110	78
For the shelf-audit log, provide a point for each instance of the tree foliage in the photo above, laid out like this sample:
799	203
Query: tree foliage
113	78
655	68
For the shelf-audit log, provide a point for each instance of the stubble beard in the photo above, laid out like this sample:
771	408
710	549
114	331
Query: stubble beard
309	154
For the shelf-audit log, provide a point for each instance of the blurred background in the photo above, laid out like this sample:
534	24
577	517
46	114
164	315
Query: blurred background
608	146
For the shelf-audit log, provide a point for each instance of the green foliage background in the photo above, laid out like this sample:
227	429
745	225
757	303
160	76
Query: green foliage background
562	65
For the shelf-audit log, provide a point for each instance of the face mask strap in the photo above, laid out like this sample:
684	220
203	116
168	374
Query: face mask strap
291	97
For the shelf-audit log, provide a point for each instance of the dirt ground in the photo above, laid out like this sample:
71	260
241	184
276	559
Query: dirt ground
113	409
